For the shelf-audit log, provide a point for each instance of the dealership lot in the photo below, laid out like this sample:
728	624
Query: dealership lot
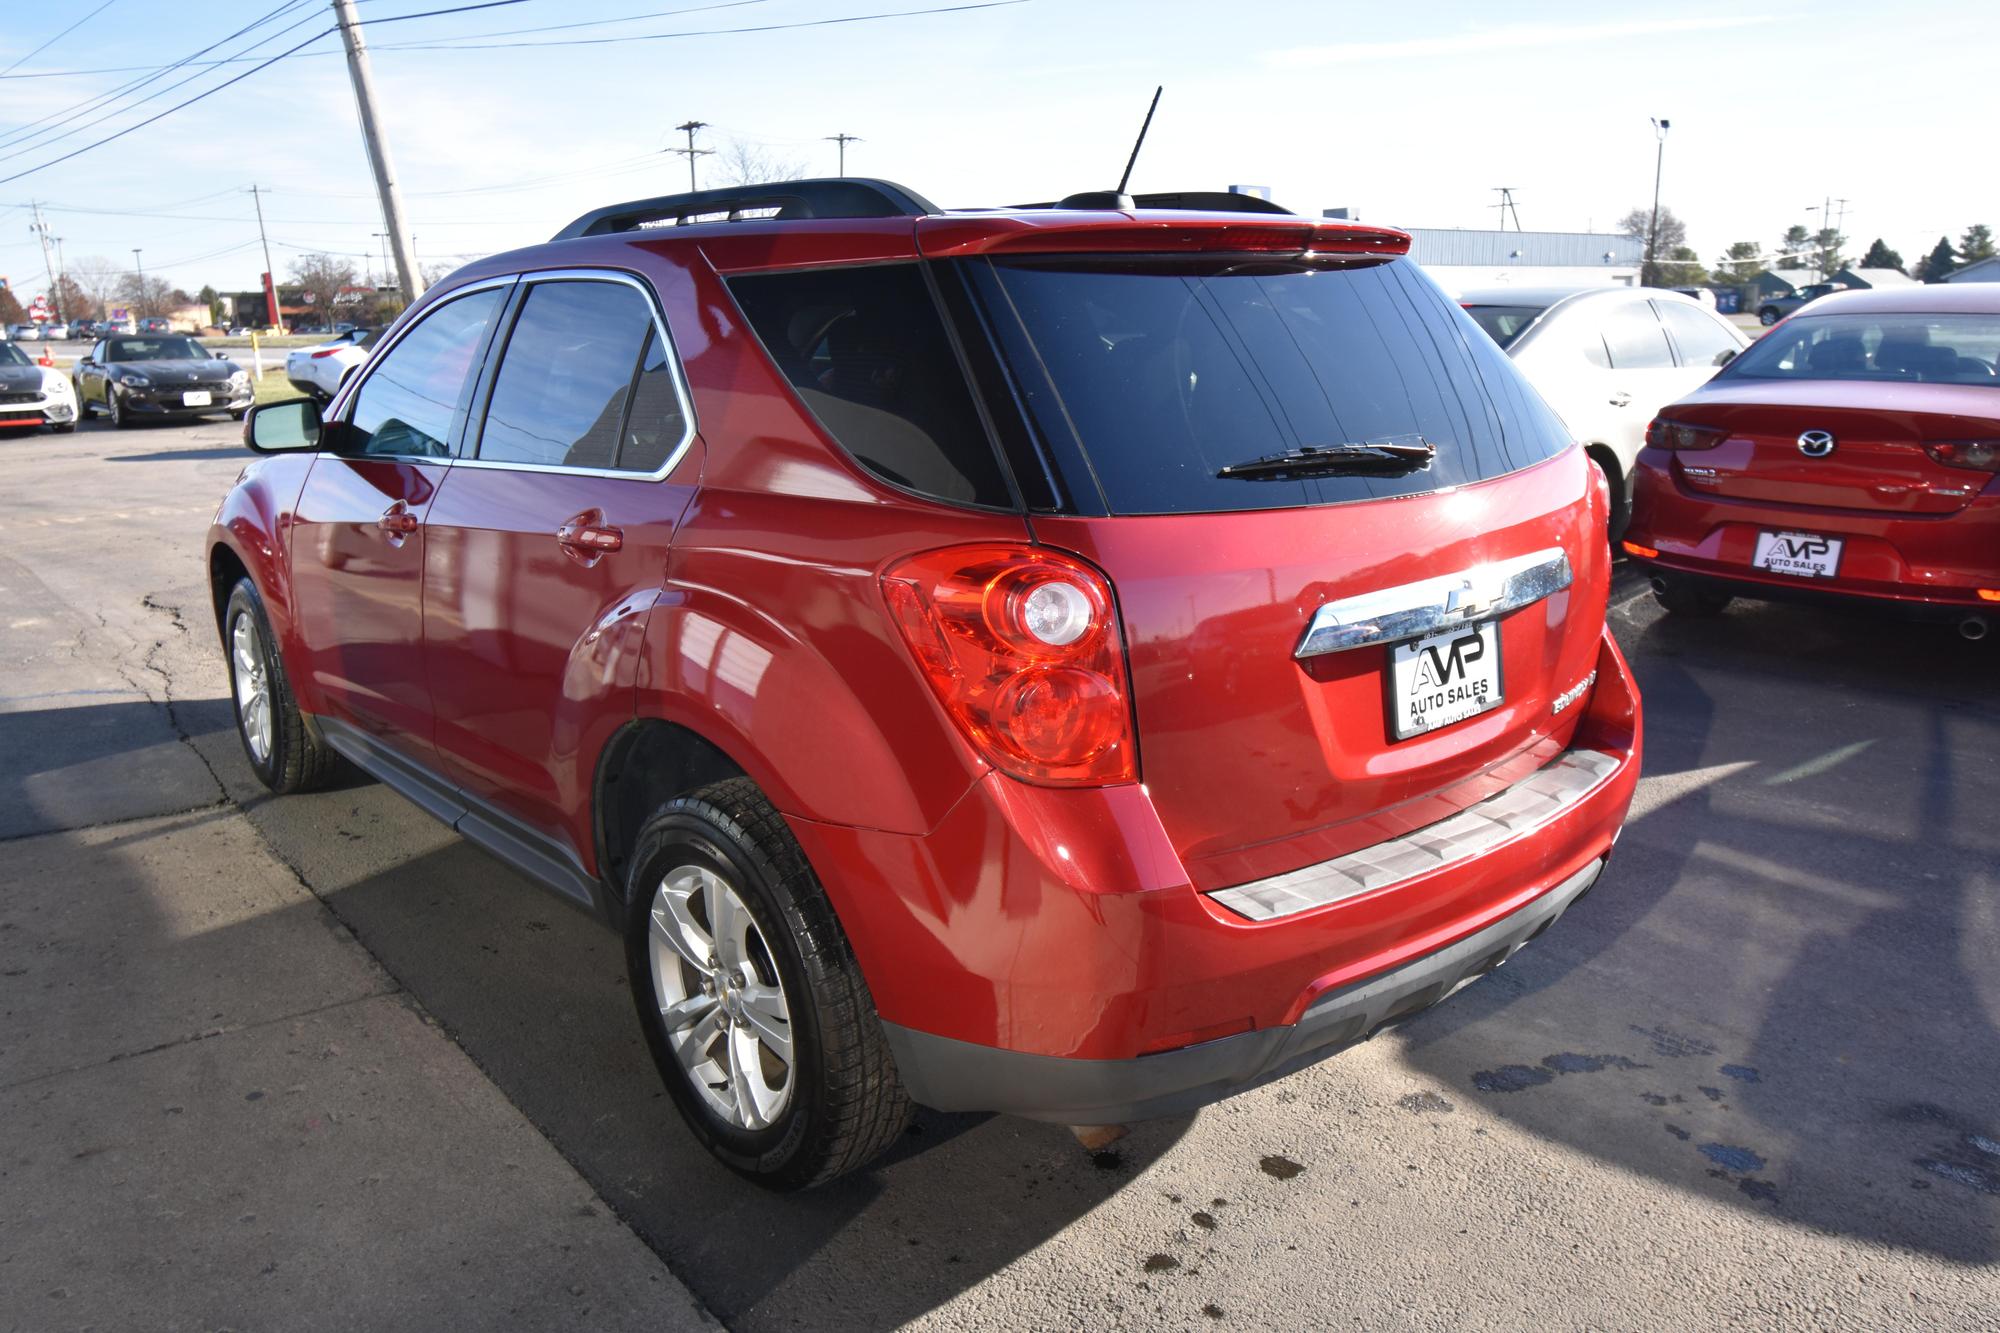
1751	1078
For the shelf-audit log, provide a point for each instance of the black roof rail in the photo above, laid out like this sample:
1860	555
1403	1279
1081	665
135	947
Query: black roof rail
1200	201
828	197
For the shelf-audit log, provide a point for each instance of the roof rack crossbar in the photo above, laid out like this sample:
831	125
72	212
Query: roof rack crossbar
828	197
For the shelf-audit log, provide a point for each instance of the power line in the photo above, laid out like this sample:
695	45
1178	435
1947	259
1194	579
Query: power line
58	37
63	116
480	45
231	82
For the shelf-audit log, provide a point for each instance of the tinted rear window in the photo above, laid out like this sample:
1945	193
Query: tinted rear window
1148	378
1932	349
867	351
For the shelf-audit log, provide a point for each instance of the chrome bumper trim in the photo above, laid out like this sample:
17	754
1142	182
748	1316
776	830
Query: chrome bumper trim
1531	802
1412	610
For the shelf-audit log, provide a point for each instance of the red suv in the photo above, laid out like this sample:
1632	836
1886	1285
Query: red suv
1074	661
1848	455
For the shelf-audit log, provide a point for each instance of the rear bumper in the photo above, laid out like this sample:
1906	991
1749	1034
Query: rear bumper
1044	952
1927	567
963	1076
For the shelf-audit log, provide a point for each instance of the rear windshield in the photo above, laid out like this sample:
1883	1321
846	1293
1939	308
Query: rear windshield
1504	323
1930	349
1148	378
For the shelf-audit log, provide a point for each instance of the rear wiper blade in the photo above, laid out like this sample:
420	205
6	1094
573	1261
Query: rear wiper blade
1385	457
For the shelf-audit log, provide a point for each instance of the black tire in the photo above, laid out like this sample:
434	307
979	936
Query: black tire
119	421
85	409
1689	597
846	1103
297	759
237	414
1621	501
1767	317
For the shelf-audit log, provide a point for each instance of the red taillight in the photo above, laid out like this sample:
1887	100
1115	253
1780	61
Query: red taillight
1975	455
1021	647
1666	433
327	351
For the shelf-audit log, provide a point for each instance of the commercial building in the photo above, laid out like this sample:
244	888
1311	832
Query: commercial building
1467	259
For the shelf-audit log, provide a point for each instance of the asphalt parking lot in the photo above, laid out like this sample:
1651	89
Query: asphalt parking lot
1753	1078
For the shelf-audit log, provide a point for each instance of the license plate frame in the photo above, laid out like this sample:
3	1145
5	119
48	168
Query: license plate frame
197	398
1799	555
1440	679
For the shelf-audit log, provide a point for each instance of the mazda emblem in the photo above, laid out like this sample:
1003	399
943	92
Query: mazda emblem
1816	444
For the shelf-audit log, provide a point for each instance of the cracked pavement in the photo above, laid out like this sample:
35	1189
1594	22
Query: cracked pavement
1750	1080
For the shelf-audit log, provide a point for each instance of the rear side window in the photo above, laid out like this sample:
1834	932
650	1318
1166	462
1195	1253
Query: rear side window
1148	378
1504	323
1636	339
1700	336
867	351
564	396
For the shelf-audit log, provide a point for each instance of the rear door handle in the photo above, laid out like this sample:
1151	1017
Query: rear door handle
588	536
399	521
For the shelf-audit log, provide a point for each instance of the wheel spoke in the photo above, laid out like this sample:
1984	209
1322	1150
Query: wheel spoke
730	921
685	1012
765	1011
747	1113
674	924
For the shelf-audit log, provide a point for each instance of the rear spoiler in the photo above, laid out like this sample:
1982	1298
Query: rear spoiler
1170	232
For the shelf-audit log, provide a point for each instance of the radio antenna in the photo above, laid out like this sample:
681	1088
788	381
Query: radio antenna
1126	179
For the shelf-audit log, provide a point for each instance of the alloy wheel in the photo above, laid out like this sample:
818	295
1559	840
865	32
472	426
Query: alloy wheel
253	686
721	999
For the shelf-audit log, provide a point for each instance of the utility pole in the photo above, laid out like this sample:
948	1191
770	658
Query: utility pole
272	319
843	140
412	281
688	127
41	230
1506	206
1660	128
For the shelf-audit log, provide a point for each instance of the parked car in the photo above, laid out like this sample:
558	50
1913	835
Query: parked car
154	378
320	371
156	324
1850	455
21	332
1607	359
32	394
1775	308
1057	662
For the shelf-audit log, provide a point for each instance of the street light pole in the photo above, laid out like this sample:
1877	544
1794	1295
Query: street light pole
1651	270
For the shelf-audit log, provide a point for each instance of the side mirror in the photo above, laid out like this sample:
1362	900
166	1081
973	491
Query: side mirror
276	428
1727	355
220	356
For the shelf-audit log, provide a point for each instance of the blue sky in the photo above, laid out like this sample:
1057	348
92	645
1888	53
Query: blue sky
1411	117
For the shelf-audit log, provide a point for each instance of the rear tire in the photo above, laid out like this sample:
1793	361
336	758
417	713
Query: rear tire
1687	597
700	861
283	751
1767	317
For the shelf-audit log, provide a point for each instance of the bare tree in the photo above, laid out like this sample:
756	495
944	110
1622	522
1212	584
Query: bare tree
322	276
100	281
149	296
739	162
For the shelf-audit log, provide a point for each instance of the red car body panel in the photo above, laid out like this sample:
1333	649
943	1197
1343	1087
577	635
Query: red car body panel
746	606
1914	531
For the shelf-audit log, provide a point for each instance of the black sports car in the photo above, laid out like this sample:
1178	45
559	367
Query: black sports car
160	376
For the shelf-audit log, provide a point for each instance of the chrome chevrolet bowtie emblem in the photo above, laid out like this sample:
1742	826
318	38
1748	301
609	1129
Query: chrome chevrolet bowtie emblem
1816	444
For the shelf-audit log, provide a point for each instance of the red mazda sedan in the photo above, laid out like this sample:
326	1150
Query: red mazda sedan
1075	661
1850	454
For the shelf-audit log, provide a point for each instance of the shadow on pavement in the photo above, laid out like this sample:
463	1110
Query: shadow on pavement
1768	997
183	456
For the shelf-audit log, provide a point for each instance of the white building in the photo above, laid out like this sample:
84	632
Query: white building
1979	270
1461	259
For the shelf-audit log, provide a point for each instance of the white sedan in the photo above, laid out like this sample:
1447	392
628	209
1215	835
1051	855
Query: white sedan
33	395
1607	359
318	372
